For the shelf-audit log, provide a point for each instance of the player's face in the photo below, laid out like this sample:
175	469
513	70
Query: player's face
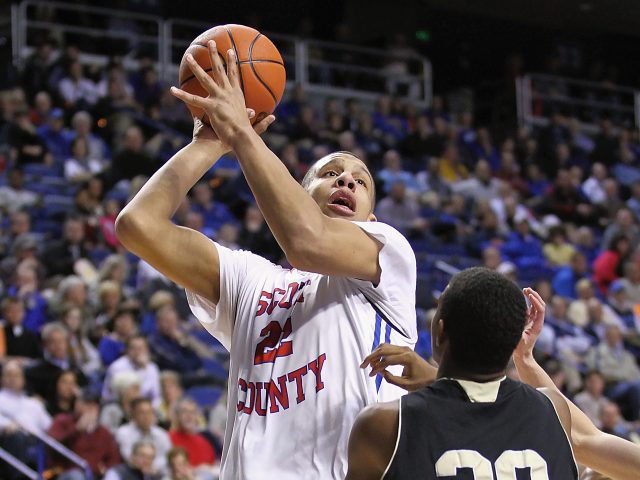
343	188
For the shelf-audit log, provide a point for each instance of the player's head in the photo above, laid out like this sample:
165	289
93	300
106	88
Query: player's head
342	186
479	321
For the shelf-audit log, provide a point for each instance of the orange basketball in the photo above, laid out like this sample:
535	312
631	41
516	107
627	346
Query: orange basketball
262	73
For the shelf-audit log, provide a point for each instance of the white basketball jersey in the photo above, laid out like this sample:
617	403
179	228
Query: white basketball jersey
297	340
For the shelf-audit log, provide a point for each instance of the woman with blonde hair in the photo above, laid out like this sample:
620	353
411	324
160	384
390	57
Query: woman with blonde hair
81	350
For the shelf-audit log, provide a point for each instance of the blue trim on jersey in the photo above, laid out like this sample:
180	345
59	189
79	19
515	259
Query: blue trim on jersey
376	332
387	338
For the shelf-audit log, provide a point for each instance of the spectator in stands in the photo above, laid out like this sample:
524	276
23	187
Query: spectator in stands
19	414
117	99
16	341
19	224
61	256
72	291
185	434
608	266
400	210
393	172
430	180
173	348
109	302
132	160
55	135
633	204
572	342
566	201
481	186
606	144
521	246
214	214
41	108
451	167
80	167
77	91
126	386
593	187
227	236
558	251
82	434
142	427
565	280
13	196
27	146
491	258
66	392
88	200
139	466
112	346
60	67
136	360
619	369
419	143
631	281
256	237
612	202
172	392
179	465
624	224
578	311
618	301
612	422
36	72
81	123
585	242
149	89
81	350
509	173
43	375
592	400
26	288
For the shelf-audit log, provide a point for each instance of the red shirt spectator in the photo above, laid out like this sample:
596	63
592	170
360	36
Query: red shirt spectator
608	265
199	450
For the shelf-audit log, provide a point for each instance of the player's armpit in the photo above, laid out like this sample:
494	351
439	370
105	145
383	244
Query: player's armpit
372	441
341	249
185	256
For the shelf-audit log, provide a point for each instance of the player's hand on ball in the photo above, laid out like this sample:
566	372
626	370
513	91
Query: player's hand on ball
224	105
533	325
416	373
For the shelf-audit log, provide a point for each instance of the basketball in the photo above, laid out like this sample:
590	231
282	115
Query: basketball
262	72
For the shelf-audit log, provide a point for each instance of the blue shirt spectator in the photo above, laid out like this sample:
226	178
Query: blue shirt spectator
57	138
522	247
170	345
393	173
565	280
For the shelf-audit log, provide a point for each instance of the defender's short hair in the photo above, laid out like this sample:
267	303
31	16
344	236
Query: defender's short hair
484	315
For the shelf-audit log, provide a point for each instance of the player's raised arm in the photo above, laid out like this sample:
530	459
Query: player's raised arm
145	228
609	455
311	240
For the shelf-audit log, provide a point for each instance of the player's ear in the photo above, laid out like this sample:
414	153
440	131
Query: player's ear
440	335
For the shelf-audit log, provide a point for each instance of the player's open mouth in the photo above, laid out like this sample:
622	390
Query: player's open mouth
343	203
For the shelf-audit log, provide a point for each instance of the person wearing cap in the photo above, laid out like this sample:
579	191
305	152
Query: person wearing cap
82	434
618	301
55	135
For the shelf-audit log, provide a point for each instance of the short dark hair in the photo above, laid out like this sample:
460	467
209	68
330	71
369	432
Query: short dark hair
133	338
484	315
139	401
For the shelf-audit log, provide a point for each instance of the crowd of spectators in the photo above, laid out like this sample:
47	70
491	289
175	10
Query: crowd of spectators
100	350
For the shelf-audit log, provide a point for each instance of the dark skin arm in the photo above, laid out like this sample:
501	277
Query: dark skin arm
372	441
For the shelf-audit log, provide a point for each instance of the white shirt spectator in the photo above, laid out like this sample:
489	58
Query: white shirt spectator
74	168
149	379
129	434
22	410
83	89
593	189
13	200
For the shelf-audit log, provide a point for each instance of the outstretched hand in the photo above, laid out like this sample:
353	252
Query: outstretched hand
416	374
534	323
224	105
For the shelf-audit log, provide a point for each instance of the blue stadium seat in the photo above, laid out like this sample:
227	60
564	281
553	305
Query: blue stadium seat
215	368
206	397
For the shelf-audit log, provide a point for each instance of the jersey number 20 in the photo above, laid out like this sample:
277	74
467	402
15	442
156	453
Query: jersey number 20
273	344
506	464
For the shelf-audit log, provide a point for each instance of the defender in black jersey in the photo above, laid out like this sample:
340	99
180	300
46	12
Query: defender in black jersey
472	422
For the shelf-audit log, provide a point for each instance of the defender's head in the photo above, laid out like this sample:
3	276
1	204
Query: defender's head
342	186
479	321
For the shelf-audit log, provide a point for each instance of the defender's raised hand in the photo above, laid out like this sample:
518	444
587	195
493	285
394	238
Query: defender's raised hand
416	373
224	106
534	324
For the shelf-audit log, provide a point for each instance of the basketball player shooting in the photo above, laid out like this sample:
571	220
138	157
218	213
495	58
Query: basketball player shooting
614	457
296	336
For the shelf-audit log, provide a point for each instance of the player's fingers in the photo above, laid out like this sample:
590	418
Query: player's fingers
263	124
188	98
380	351
217	67
232	69
205	80
402	382
401	358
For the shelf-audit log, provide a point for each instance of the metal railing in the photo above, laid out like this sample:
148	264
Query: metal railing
321	67
539	96
44	441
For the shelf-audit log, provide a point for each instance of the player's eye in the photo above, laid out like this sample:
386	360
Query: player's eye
361	182
331	173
